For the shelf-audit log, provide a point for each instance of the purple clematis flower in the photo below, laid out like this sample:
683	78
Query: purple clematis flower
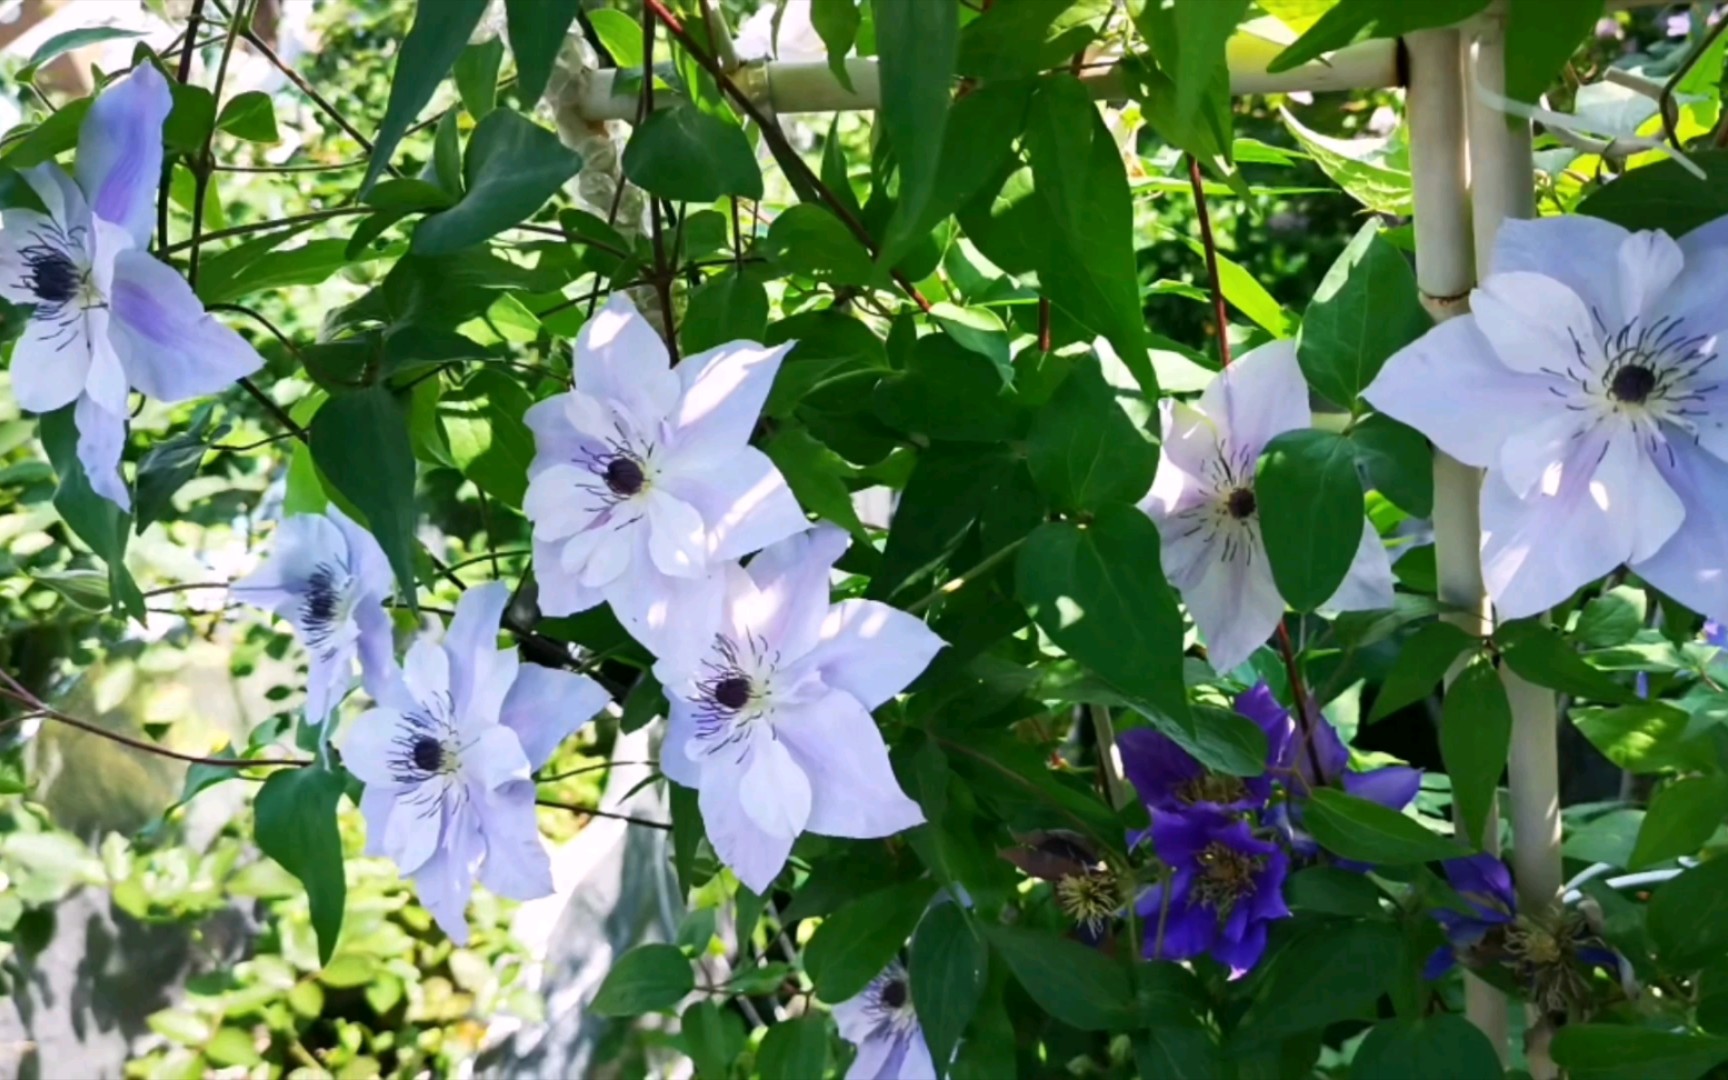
1587	381
447	758
881	1022
108	318
644	482
1168	778
771	724
1202	499
1485	885
328	577
1228	886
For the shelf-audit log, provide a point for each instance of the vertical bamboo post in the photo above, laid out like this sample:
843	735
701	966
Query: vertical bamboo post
1445	270
1500	158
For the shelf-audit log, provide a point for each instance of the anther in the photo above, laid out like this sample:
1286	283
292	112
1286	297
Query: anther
732	692
624	476
1632	384
894	993
428	754
1241	503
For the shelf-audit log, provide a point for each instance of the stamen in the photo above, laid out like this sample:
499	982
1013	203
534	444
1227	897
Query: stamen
1632	384
428	754
1226	877
624	476
1211	788
1241	504
893	993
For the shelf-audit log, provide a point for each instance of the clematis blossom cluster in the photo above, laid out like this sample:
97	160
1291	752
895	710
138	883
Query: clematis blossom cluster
1202	500
106	317
1587	380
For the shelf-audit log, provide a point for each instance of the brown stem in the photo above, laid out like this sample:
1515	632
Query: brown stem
305	87
266	226
201	166
1299	701
274	409
785	153
596	812
184	73
1211	245
662	273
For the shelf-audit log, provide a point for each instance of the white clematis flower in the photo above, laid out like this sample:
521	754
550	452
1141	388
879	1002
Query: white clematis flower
1202	500
448	758
1587	382
107	317
644	482
882	1024
772	724
329	578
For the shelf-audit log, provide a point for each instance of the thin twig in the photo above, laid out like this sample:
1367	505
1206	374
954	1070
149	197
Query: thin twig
274	409
353	163
306	88
266	226
293	350
592	811
201	165
985	564
184	73
1211	245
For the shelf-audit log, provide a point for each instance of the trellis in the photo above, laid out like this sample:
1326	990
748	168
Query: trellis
1472	168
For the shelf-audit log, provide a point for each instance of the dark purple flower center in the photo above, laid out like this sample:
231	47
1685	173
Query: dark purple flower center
732	692
893	993
428	754
624	476
52	275
1226	876
1632	384
1211	788
1241	503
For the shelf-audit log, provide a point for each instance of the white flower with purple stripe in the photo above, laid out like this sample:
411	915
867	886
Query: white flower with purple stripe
328	578
882	1023
448	758
772	723
644	481
108	318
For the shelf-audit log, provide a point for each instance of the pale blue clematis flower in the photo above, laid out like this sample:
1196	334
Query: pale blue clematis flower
1202	500
1587	382
772	722
448	758
329	578
644	482
107	317
882	1023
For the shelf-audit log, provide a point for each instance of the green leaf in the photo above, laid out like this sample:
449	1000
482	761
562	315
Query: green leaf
1647	737
620	34
853	945
1366	309
687	155
360	443
1368	832
444	169
512	167
1084	246
836	23
648	978
1083	449
808	239
440	32
1355	20
951	488
1623	1052
488	439
191	120
476	73
1688	917
730	306
714	1038
1613	618
536	29
1079	986
948	392
916	43
1442	1047
795	1049
166	468
1181	1053
1664	195
294	822
1026	37
55	135
85	589
1375	172
1328	890
95	520
815	475
1398	462
1682	817
1475	734
977	329
1100	594
1538	653
67	41
1331	972
1310	503
250	116
947	968
1192	52
1421	663
1541	35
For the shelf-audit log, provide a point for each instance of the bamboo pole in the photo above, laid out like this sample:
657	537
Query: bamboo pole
1445	271
1503	181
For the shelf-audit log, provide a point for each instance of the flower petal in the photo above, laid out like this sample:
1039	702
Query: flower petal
558	502
493	758
377	646
101	443
1536	324
427	670
561	591
723	393
1236	605
1394	786
51	364
480	672
369	746
545	706
872	651
1692	566
620	358
1156	766
171	349
1575	250
23	229
674	618
517	866
446	881
791	597
61	198
417	824
1649	263
301	543
1451	386
677	537
1192	446
774	790
837	746
120	150
756	856
364	557
678	766
742	498
330	674
1367	585
1260	396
